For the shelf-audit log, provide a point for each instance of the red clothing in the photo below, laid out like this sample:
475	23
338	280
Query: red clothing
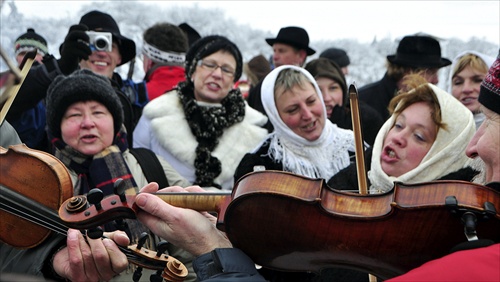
482	264
162	79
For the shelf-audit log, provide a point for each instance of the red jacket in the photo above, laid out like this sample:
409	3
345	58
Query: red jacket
163	79
482	264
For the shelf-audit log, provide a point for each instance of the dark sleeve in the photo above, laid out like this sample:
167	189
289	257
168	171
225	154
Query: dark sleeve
371	121
34	87
347	179
258	158
34	261
226	265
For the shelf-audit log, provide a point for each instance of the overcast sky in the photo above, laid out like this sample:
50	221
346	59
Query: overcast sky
362	20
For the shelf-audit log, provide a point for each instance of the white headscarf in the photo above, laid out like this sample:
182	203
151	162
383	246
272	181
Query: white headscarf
446	155
488	60
321	158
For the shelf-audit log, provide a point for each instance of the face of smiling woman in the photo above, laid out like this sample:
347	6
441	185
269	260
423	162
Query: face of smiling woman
87	127
301	110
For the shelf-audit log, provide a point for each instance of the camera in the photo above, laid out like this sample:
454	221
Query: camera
100	41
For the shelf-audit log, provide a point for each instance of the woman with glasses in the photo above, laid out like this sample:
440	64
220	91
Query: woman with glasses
204	127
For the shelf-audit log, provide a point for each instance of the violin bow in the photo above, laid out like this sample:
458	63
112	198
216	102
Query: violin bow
10	91
359	147
358	140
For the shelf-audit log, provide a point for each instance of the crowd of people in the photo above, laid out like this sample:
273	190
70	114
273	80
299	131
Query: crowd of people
202	134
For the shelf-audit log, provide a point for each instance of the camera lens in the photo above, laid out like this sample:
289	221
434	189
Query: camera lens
101	43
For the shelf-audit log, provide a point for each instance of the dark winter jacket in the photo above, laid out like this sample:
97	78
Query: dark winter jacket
379	94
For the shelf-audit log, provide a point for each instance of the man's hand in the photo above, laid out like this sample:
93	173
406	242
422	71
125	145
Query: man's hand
74	49
188	229
91	259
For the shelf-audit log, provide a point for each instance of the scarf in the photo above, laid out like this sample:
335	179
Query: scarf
321	158
446	155
98	171
207	123
101	171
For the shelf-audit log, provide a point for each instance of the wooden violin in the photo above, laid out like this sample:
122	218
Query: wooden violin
289	222
33	185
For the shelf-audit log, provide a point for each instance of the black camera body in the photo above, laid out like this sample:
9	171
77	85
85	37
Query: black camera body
100	41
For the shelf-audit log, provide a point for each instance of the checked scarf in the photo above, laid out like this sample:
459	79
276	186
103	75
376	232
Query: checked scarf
98	171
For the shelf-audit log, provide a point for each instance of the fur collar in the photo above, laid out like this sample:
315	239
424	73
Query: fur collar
172	131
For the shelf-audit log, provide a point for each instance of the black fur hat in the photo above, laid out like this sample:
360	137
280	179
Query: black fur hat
208	45
82	85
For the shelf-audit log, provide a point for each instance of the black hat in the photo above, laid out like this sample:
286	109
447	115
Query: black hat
337	55
99	21
419	52
489	93
30	41
208	45
191	33
293	36
81	85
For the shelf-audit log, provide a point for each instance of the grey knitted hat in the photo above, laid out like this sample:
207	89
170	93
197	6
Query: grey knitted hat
82	85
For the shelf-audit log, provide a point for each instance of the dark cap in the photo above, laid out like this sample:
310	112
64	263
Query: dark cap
338	56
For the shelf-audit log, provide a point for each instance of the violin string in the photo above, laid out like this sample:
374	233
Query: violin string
27	209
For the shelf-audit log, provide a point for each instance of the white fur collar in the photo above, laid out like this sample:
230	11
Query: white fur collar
170	127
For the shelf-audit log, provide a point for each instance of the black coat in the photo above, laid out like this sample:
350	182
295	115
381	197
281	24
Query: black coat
379	94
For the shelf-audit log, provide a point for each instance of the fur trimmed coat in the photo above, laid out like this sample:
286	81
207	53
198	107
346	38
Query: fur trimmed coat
163	128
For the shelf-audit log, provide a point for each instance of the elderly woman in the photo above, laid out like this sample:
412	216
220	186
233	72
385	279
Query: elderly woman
423	140
304	141
204	127
85	126
467	72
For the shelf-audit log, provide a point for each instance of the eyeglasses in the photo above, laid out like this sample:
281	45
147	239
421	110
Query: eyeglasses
212	66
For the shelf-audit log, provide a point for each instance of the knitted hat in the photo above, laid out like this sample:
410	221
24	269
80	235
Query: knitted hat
419	52
258	67
208	45
489	94
165	43
30	41
102	22
337	55
82	85
191	33
323	67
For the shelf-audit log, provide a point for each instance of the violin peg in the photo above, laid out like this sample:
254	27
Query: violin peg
142	240
156	277
95	197
137	274
95	233
161	248
119	189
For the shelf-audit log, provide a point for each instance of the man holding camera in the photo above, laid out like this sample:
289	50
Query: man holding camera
97	44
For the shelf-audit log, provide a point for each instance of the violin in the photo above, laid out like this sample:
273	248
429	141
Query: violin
290	222
33	185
